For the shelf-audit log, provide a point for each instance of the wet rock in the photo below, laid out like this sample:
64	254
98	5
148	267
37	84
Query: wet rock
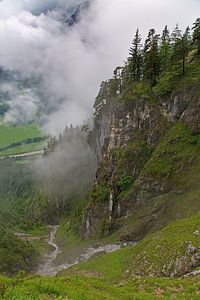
116	125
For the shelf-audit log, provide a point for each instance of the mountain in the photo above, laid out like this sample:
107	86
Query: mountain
149	150
145	198
147	141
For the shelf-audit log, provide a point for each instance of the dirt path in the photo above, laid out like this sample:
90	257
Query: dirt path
28	237
28	154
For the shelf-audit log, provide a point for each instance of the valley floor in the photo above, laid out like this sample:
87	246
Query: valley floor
88	287
111	276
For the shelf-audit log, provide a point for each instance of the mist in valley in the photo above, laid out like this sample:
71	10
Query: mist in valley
66	172
55	53
53	56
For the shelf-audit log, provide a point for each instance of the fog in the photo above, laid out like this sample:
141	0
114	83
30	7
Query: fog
65	175
69	62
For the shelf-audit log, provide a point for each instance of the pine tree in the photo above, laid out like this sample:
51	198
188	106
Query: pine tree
165	50
125	76
176	34
165	35
196	34
151	57
181	49
116	84
188	34
101	97
135	59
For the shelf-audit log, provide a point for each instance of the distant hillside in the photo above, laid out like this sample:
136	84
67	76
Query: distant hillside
20	139
147	138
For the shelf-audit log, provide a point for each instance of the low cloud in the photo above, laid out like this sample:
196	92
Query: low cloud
69	62
23	104
66	175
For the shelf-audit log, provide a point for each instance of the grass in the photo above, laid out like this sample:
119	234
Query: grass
23	149
109	267
15	255
136	92
10	135
77	287
155	253
39	231
35	230
113	276
175	154
72	246
159	212
69	242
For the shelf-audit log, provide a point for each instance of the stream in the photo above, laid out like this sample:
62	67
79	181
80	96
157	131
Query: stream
49	268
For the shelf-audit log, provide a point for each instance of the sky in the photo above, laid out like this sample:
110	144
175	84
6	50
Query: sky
71	62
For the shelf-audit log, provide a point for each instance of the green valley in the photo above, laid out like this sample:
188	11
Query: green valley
20	139
109	208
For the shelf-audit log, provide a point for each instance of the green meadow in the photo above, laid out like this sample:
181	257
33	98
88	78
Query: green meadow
20	139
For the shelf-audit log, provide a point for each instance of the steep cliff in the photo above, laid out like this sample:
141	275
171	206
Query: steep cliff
148	145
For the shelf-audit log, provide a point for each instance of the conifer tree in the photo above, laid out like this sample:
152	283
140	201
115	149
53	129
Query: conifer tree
176	34
165	50
102	95
135	59
151	57
125	76
188	34
165	35
181	49
196	34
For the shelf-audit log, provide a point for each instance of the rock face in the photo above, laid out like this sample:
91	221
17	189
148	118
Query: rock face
185	263
138	143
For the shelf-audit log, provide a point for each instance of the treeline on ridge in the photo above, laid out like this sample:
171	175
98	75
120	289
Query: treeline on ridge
160	53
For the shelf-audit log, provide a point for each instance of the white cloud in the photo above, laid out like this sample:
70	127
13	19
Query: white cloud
23	106
72	61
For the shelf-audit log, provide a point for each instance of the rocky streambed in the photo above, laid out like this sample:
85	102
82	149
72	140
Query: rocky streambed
49	266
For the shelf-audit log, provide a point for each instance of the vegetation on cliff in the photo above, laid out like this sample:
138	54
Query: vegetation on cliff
151	154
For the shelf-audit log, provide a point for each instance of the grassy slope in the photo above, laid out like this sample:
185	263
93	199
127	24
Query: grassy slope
112	276
72	245
89	288
150	255
11	134
41	246
175	164
26	148
15	255
16	192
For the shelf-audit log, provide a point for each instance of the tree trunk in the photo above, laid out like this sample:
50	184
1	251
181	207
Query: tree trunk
183	66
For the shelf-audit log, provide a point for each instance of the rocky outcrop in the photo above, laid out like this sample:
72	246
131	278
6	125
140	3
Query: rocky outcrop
183	264
125	137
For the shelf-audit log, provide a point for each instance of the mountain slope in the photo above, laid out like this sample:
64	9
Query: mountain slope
148	143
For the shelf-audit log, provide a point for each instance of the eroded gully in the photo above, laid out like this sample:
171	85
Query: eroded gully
49	268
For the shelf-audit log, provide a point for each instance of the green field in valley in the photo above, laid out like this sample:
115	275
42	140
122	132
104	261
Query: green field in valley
20	139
